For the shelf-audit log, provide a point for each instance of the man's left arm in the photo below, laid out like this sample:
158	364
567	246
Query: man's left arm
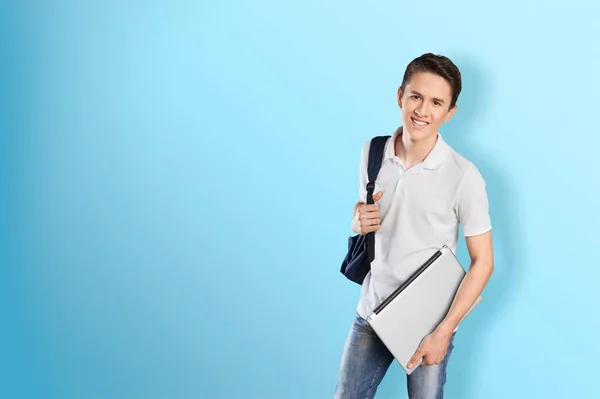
482	265
434	347
472	212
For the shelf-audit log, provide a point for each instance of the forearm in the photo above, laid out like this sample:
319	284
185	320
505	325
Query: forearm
468	292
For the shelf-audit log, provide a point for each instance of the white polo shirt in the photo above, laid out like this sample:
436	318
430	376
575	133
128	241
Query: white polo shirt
420	211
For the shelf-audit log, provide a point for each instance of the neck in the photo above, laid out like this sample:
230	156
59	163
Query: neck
411	152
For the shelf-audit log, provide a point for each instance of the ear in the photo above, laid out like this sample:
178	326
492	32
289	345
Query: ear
400	97
450	113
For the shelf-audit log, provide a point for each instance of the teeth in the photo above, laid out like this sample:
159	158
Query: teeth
419	122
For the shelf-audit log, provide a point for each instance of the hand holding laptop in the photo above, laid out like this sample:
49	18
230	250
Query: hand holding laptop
433	349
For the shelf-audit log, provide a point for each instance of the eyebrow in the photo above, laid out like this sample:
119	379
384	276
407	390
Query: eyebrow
419	94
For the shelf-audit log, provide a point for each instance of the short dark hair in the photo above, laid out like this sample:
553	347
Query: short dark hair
439	65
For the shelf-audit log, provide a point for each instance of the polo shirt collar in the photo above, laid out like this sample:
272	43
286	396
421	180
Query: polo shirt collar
390	151
438	154
435	158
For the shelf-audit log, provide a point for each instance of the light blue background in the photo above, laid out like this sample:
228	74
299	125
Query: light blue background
177	180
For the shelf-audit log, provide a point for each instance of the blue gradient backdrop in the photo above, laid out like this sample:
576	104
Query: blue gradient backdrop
177	180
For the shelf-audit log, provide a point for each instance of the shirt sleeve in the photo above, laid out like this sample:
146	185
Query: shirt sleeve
472	204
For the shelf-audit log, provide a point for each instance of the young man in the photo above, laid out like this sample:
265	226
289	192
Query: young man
423	191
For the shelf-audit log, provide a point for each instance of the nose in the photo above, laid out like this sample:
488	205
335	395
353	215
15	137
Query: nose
421	109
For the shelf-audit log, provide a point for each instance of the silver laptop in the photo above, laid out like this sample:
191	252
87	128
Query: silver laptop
415	309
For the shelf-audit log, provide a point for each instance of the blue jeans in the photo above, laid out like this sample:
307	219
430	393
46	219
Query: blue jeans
365	361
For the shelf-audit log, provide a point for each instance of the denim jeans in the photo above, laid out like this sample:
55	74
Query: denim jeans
365	360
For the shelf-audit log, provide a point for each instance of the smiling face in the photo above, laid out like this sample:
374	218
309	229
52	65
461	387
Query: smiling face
425	104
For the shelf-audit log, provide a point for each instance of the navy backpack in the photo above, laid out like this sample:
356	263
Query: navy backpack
361	248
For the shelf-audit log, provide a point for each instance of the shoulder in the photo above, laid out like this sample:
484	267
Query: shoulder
366	146
462	167
386	138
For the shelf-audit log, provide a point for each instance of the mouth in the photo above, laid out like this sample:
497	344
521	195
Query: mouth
417	123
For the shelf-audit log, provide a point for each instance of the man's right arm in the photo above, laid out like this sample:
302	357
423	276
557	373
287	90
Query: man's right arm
365	218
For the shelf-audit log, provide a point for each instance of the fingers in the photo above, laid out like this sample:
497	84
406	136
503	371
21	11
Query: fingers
369	211
428	361
366	221
441	358
430	352
367	208
378	196
368	225
368	215
416	357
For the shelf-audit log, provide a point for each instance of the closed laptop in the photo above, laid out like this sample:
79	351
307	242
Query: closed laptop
416	308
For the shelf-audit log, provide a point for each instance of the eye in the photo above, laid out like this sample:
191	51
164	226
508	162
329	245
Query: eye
437	103
414	97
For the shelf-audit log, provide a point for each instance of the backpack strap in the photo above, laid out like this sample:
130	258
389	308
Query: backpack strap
376	150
